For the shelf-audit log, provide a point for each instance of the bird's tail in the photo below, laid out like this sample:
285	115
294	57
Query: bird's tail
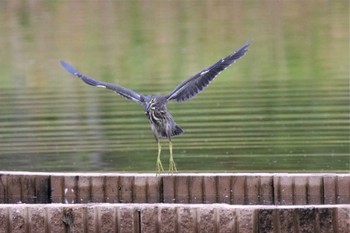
177	131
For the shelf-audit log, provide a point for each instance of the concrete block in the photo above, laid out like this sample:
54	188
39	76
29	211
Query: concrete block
266	195
92	219
238	187
126	189
329	189
252	190
3	188
42	189
306	221
343	190
207	219
315	190
187	219
167	219
299	194
18	219
57	190
227	222
37	219
98	189
210	189
112	189
128	219
57	222
140	189
14	186
27	189
154	189
283	190
149	219
247	220
70	189
182	192
286	220
68	218
343	219
224	189
107	219
169	189
266	220
4	220
83	188
196	189
325	221
79	219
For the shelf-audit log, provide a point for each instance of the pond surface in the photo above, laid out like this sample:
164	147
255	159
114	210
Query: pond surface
284	106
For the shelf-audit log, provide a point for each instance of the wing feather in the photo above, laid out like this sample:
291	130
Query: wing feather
125	92
195	84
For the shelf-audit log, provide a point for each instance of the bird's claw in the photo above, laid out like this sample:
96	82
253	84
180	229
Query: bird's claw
159	167
172	166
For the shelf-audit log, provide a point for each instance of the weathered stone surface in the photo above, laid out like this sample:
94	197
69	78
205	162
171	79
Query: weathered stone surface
98	189
107	219
168	219
83	189
112	189
4	219
224	189
57	222
266	195
37	219
247	220
343	218
343	190
227	221
182	192
207	221
168	189
266	219
238	186
286	220
131	218
149	219
128	219
18	219
298	190
325	221
153	186
187	219
196	189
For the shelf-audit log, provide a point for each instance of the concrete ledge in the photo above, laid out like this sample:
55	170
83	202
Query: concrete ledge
230	188
153	218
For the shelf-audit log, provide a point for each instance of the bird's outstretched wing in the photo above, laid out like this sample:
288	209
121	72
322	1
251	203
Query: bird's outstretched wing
125	92
195	84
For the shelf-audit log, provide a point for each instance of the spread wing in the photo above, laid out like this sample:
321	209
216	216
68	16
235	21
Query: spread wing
195	84
125	92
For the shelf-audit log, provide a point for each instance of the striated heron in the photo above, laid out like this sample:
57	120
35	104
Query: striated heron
162	122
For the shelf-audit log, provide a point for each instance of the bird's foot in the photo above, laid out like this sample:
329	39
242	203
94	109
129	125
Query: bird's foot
159	167
172	166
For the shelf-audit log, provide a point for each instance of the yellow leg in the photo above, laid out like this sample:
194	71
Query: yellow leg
172	166
159	162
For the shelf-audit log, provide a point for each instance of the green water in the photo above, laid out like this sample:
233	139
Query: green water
282	107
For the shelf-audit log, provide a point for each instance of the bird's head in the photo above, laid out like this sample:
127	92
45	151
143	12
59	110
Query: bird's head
149	103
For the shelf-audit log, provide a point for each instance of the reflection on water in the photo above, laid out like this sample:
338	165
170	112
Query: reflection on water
282	107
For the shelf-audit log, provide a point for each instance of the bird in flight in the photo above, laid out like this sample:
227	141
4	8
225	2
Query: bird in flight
161	121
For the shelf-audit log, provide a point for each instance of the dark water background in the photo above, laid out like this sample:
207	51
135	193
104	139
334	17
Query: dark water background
282	107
